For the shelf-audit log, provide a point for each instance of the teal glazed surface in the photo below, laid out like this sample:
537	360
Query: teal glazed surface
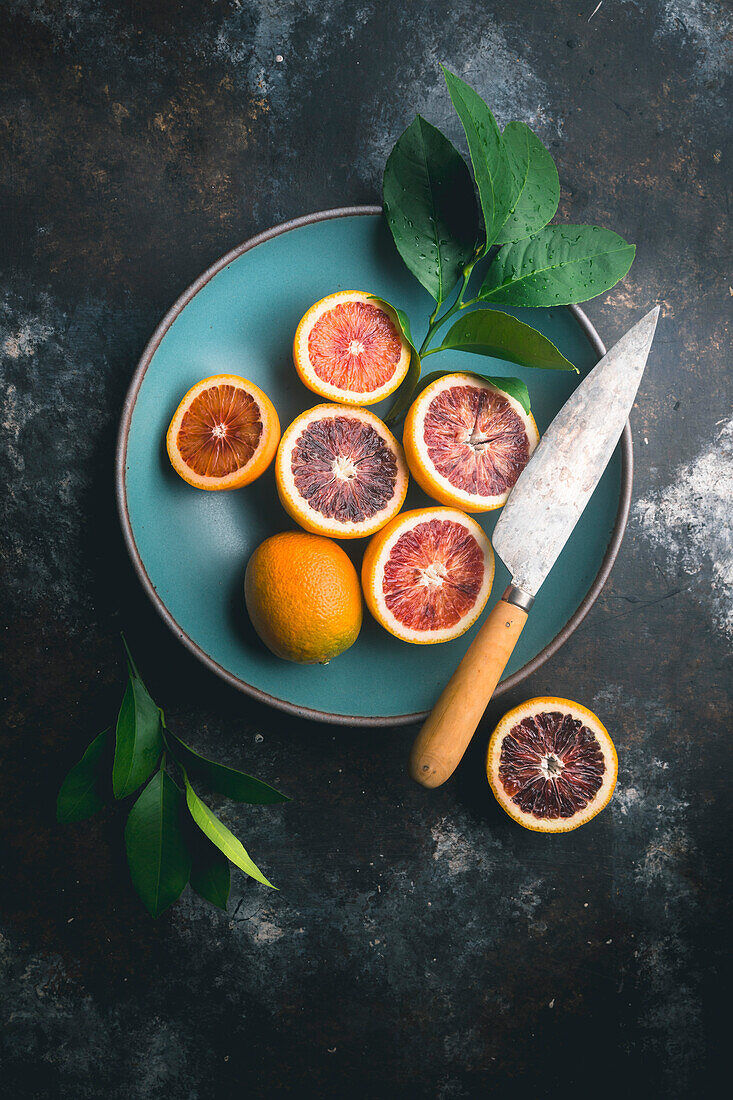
194	545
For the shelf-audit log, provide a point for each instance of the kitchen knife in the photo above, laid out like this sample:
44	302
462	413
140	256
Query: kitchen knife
536	522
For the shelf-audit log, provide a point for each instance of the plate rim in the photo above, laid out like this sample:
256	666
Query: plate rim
296	709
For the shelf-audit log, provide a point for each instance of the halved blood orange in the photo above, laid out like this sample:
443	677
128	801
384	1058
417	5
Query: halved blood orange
224	433
349	347
466	442
551	764
340	472
428	574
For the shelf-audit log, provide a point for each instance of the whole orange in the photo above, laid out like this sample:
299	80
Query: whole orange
303	597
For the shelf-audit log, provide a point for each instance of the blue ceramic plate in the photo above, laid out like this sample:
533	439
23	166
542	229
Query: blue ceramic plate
190	548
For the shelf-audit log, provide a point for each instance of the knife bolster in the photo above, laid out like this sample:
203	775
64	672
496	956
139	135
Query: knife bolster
518	597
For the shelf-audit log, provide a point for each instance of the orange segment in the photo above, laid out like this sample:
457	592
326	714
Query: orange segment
349	347
224	433
466	442
428	574
340	472
551	764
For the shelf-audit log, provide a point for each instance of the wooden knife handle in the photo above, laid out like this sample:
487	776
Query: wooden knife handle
447	731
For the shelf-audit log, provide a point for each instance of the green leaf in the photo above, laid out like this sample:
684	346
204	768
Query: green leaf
559	265
219	835
138	740
536	202
491	332
82	792
210	877
499	176
430	207
515	387
130	660
157	853
404	323
403	397
228	781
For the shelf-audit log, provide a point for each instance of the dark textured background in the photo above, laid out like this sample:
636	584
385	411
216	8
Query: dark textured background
421	944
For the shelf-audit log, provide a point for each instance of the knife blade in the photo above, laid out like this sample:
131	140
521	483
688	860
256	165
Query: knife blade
544	506
558	481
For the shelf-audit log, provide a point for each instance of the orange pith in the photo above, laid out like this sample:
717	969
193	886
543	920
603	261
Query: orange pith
224	433
551	764
349	348
428	574
303	597
466	442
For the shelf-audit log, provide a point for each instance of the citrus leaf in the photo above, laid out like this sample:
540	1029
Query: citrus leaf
219	835
157	853
82	792
228	781
430	207
499	176
492	332
404	323
536	203
515	387
138	740
210	877
403	397
130	660
559	265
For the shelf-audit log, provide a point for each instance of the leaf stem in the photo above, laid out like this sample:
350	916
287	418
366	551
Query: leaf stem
421	351
436	322
433	325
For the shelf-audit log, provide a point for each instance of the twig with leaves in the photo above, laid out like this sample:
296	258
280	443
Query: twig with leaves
430	206
172	837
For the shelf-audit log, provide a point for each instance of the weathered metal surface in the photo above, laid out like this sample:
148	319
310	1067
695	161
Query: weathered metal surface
418	947
557	483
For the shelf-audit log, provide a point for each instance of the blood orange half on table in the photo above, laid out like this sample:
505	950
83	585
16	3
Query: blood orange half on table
340	472
224	433
551	765
467	442
349	347
428	574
